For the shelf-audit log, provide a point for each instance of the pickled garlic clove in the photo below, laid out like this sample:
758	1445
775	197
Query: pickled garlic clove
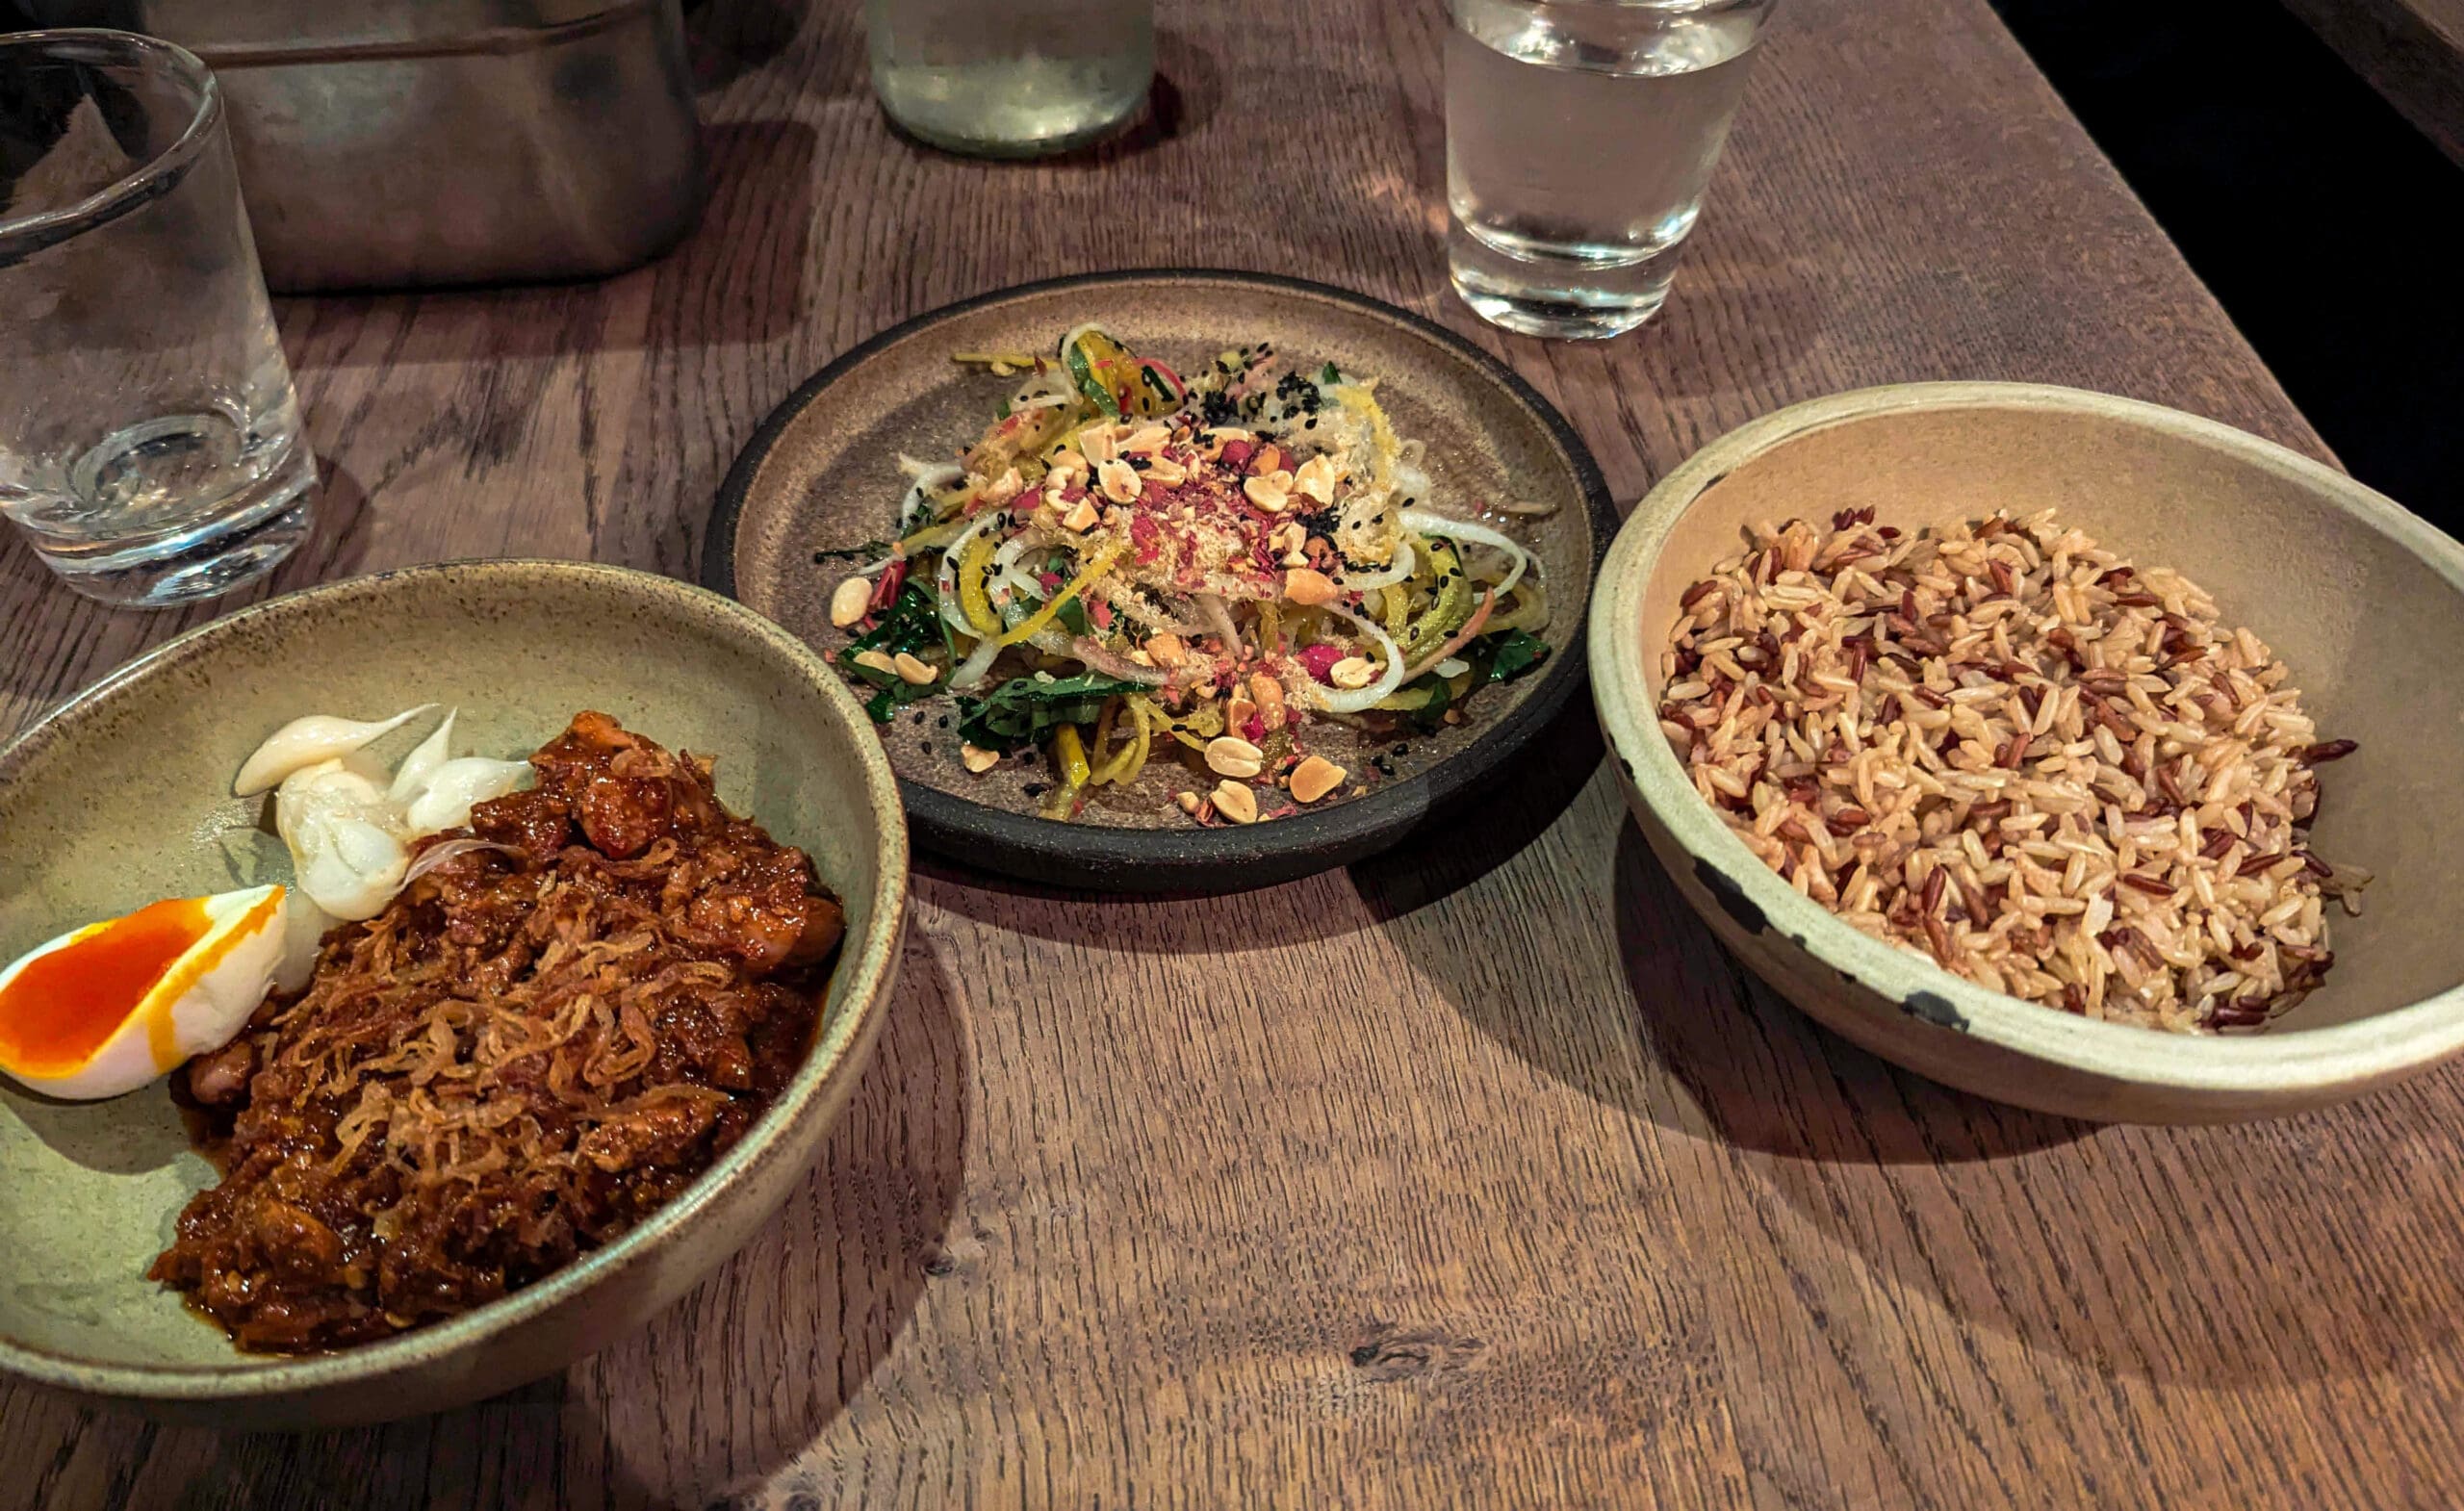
308	741
327	790
458	783
349	866
411	778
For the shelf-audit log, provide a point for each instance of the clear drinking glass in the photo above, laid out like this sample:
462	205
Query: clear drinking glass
1580	135
149	438
1010	78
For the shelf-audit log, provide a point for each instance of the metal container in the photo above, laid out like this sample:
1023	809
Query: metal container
384	144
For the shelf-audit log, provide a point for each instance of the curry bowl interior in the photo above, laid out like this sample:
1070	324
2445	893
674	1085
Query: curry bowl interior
2330	577
124	797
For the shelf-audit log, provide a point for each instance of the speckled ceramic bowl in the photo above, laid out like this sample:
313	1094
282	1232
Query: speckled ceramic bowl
2364	603
123	796
822	476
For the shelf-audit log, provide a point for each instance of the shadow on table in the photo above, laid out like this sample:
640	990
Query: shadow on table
740	277
723	1390
2180	1255
1735	1046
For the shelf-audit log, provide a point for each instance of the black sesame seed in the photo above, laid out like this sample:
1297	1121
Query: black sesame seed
1033	789
928	747
1403	749
921	716
942	723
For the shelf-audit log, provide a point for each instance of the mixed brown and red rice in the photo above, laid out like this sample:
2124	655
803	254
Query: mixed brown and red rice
2011	750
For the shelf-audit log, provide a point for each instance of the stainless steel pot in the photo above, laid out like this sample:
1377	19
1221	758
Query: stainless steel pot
392	142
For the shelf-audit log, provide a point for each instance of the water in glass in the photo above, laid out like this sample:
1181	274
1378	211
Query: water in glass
150	442
1004	79
1578	138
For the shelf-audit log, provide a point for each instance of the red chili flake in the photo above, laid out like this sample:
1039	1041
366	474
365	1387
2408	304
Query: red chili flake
1101	613
885	591
1255	731
1318	660
1235	452
1049	580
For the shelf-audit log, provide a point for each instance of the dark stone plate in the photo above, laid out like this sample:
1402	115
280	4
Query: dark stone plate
821	474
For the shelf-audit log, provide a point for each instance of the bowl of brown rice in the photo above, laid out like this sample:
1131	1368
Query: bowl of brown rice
2069	750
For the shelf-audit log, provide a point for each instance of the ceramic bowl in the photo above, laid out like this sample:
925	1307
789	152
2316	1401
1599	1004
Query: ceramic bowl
122	796
821	475
2365	603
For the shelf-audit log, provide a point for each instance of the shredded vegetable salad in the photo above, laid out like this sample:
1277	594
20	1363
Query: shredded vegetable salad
1129	568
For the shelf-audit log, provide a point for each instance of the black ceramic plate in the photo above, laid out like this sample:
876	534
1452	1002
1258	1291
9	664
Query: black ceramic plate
821	474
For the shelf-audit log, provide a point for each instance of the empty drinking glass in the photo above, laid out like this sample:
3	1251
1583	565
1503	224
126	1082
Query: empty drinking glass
149	437
999	78
1580	135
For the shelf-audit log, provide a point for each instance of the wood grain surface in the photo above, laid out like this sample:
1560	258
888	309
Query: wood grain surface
2411	51
1474	1175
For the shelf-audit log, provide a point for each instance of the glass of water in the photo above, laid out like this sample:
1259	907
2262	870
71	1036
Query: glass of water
1010	78
1580	135
149	437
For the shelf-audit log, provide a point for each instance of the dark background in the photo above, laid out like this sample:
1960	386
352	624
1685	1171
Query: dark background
2332	232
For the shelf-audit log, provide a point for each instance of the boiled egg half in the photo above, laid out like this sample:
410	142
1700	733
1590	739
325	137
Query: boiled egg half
105	1009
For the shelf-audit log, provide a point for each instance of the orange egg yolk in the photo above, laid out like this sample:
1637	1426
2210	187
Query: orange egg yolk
67	1004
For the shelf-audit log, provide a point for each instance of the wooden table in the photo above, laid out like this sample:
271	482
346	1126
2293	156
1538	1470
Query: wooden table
1476	1174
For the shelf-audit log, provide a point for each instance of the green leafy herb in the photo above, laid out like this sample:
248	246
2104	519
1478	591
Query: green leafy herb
1500	658
1021	710
1503	656
869	551
913	623
1329	374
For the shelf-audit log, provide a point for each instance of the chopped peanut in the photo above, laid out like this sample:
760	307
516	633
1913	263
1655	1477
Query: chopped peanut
910	669
1308	586
1167	650
1267	691
877	661
1230	755
1236	803
976	761
848	604
1314	777
1352	673
1081	518
1119	481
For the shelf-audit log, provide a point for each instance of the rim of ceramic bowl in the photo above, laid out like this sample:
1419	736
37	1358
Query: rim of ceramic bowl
870	959
1623	649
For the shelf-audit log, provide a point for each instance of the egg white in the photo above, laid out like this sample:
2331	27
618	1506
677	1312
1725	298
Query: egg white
205	1013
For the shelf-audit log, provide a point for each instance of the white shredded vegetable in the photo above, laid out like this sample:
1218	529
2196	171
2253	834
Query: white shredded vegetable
1429	524
1337	699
